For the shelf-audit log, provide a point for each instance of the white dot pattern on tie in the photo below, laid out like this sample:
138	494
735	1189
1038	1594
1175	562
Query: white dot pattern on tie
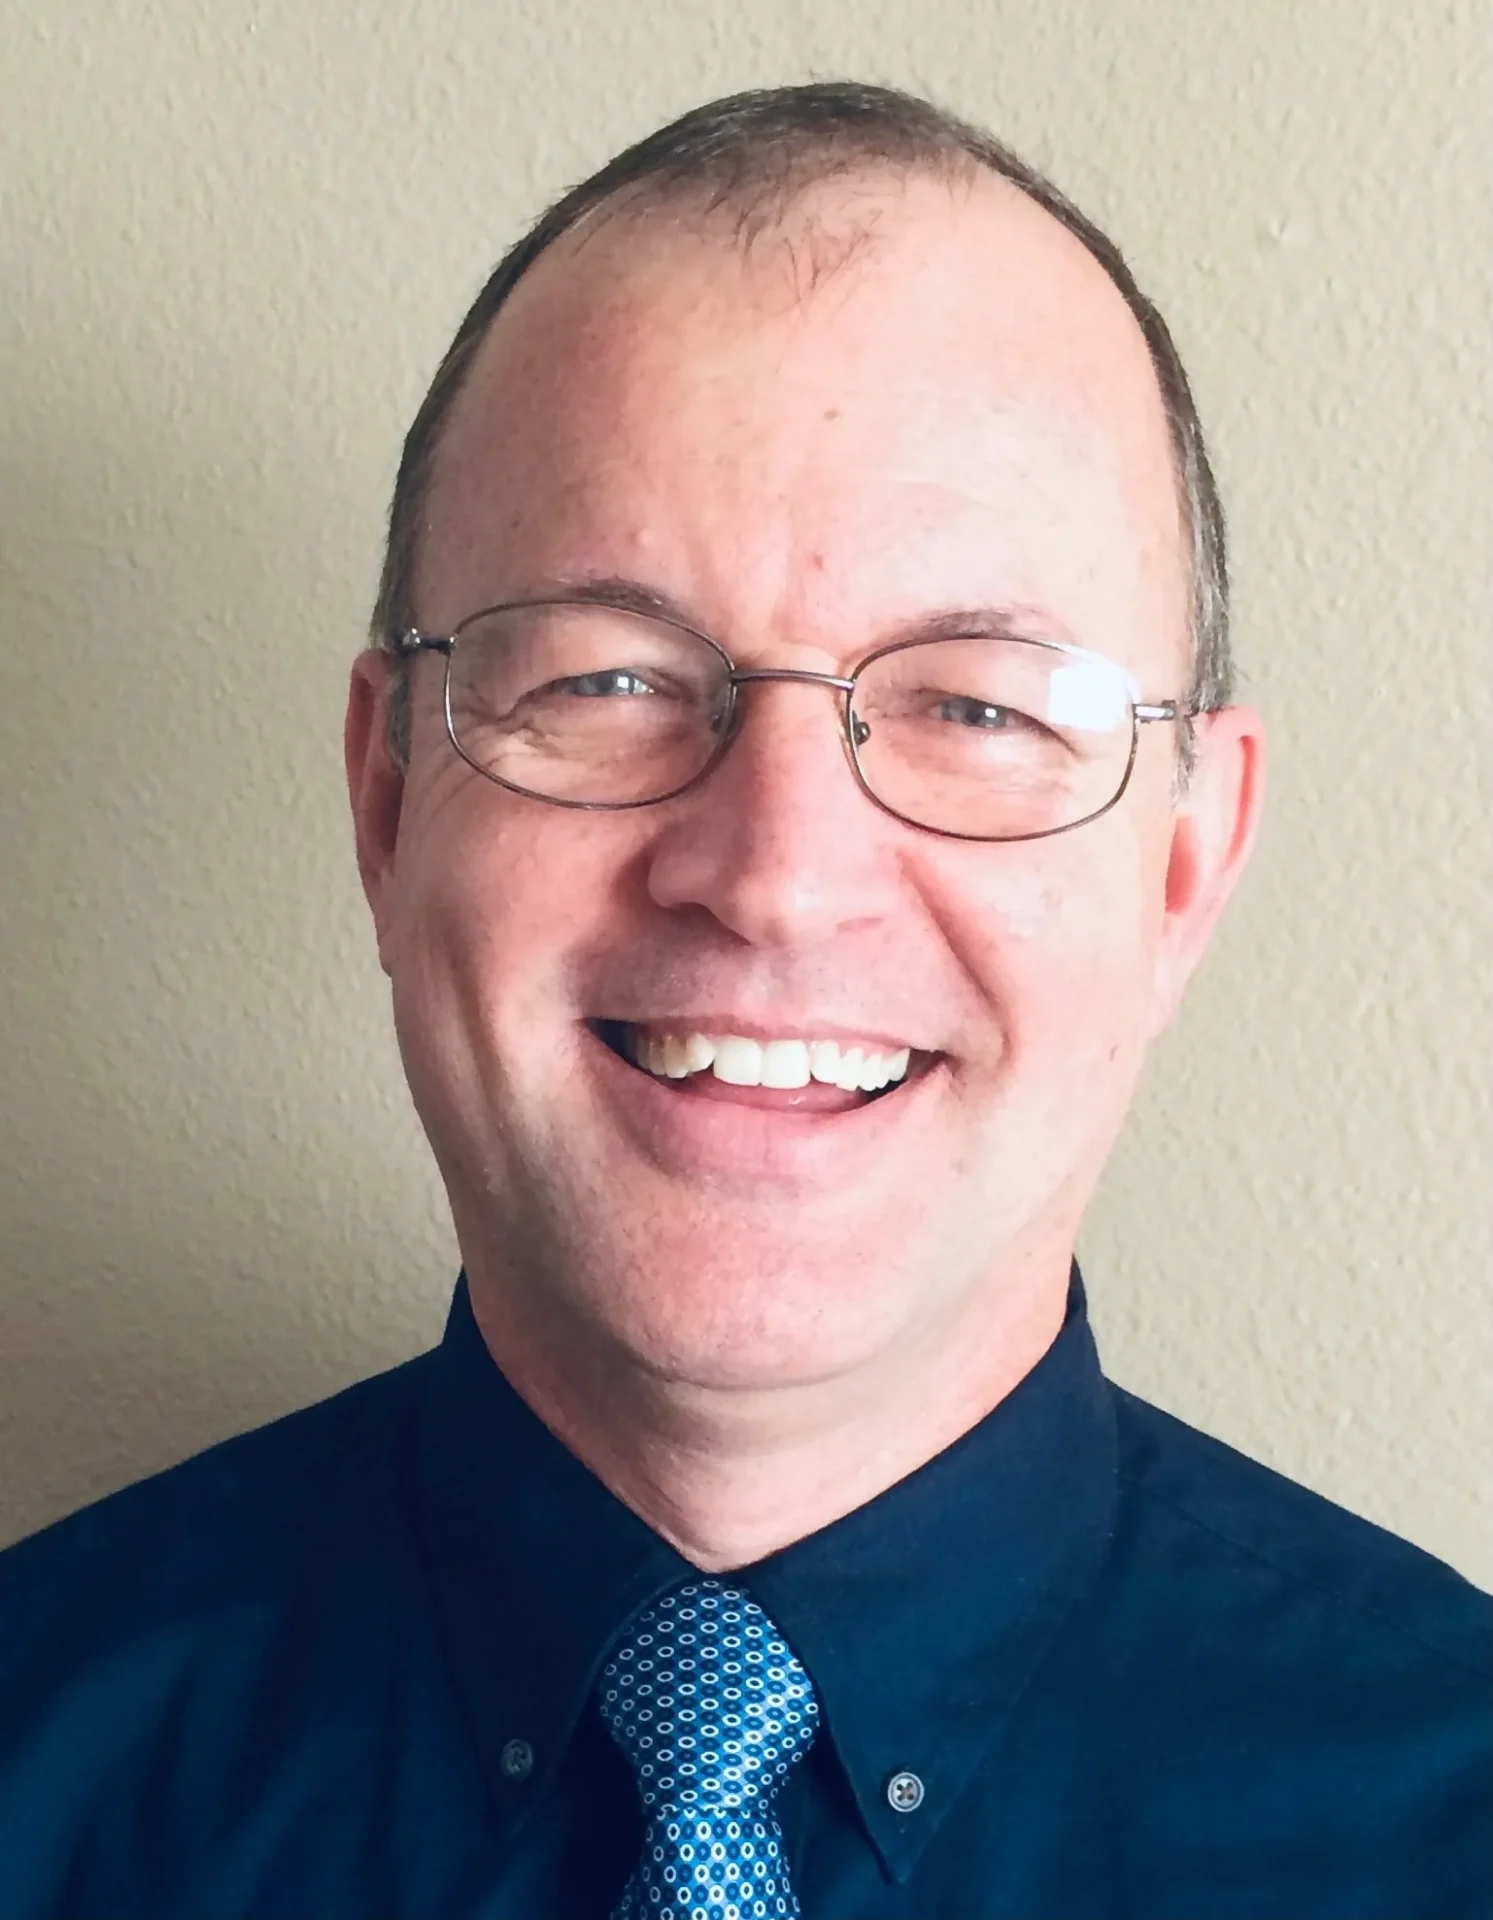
712	1709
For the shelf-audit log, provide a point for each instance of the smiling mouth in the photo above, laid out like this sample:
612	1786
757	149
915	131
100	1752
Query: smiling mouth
824	1074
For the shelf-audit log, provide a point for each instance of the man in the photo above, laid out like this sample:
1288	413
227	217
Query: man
794	785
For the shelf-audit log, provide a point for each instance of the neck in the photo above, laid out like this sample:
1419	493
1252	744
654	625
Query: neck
729	1476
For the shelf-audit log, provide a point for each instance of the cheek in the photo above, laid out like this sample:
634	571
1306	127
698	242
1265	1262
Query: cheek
500	898
469	917
1060	939
488	911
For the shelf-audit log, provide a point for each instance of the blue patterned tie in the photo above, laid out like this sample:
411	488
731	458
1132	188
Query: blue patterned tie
710	1706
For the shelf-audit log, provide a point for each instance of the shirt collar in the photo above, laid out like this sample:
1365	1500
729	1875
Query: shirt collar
920	1616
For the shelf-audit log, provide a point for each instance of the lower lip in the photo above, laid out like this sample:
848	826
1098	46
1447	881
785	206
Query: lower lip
798	1135
813	1098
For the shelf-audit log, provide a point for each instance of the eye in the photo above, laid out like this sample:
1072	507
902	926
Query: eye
965	711
609	682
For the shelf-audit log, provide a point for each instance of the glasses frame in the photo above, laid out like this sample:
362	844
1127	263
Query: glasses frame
413	642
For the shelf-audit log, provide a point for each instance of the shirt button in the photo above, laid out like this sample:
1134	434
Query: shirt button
904	1792
517	1760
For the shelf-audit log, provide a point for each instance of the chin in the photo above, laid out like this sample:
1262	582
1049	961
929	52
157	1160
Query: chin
750	1358
759	1318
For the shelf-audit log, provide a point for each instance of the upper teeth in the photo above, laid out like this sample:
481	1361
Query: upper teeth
766	1063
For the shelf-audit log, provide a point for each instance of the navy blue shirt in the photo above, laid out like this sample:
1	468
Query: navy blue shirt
342	1668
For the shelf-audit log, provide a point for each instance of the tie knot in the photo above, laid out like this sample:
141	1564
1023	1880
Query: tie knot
707	1700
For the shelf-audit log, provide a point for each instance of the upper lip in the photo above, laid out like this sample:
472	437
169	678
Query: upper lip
718	1025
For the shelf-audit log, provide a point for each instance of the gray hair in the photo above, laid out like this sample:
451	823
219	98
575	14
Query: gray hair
754	154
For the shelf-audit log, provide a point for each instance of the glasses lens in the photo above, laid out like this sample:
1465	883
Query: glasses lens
993	738
586	704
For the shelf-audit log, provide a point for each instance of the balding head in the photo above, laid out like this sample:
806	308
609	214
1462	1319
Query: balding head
749	158
752	390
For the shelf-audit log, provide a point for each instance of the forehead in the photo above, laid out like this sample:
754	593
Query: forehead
904	392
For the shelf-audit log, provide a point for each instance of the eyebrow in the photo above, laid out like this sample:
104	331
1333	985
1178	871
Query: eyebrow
1008	622
613	590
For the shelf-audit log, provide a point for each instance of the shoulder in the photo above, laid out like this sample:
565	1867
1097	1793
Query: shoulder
1239	1525
1300	1700
161	1649
228	1525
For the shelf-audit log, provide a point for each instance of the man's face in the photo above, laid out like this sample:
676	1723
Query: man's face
912	399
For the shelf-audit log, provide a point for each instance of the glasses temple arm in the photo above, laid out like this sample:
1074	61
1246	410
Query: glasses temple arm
407	644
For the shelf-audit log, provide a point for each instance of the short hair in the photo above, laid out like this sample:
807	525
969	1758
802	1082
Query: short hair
753	154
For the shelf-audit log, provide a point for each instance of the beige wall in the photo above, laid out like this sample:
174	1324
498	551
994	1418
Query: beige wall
235	239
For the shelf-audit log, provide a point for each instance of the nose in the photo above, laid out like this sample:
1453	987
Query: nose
778	842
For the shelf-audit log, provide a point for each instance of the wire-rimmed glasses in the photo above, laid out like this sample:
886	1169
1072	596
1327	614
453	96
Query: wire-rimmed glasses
979	736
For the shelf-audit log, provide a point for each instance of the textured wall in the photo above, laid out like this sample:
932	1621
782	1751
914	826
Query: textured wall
235	239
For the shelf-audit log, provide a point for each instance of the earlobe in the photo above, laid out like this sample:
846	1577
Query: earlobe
1214	831
375	785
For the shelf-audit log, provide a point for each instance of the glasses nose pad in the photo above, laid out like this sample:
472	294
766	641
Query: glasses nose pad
860	733
722	714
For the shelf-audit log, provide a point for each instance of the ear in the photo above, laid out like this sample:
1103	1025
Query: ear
375	786
1214	829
